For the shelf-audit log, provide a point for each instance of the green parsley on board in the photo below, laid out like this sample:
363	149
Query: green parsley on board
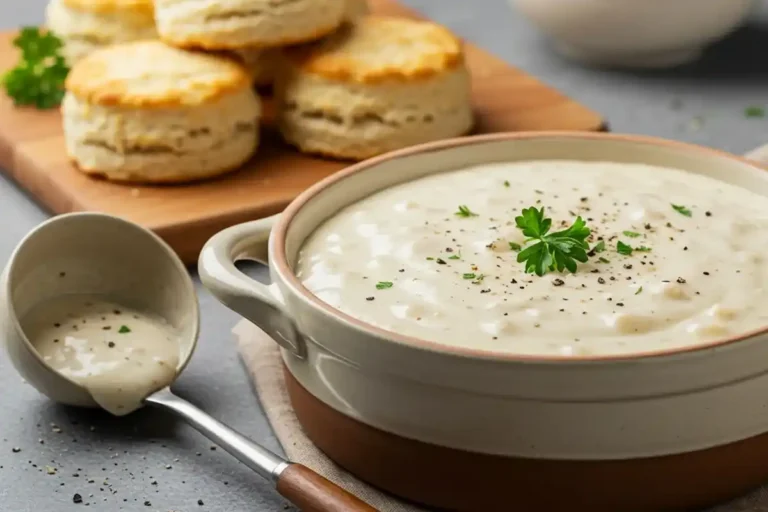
383	285
38	78
682	210
552	251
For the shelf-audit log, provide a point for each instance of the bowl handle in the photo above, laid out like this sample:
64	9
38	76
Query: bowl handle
261	304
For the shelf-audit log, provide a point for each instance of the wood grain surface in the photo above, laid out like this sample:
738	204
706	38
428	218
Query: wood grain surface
312	492
32	153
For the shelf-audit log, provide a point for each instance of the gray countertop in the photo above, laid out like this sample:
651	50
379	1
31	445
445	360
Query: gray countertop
149	462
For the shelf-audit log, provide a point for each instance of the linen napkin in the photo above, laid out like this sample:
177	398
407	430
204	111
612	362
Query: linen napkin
262	359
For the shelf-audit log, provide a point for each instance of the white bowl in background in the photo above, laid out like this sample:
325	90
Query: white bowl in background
635	33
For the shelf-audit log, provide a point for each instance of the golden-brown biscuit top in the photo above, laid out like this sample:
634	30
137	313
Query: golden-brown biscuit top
151	74
108	6
380	48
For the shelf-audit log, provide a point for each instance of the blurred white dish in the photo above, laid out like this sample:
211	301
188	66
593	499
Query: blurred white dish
635	33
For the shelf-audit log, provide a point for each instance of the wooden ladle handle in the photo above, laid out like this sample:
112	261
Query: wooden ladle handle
314	493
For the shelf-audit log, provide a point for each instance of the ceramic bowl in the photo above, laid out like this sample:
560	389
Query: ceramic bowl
634	33
91	253
467	430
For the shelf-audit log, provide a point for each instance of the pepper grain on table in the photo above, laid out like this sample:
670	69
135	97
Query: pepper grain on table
50	455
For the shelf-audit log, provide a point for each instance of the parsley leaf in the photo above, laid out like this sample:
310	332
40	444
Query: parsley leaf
682	210
506	183
598	247
38	77
623	248
479	278
627	249
469	276
631	234
455	257
515	246
553	251
603	260
639	291
383	285
464	211
124	329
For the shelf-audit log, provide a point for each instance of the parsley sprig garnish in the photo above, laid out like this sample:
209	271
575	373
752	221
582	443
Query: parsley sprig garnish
38	78
552	251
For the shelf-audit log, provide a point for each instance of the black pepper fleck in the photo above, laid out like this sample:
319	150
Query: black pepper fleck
558	282
601	280
681	280
705	273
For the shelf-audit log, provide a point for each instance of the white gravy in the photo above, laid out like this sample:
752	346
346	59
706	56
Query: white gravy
118	354
703	279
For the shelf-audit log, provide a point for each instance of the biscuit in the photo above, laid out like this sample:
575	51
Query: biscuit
356	9
87	25
238	24
380	84
146	112
263	63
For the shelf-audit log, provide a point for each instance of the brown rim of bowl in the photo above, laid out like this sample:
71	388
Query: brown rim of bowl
281	263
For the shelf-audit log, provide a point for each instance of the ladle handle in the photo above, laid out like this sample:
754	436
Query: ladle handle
299	484
312	492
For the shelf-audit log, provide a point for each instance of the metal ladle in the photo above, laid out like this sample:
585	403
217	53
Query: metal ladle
99	254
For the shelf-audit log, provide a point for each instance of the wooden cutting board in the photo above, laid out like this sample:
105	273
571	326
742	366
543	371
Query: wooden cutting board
32	153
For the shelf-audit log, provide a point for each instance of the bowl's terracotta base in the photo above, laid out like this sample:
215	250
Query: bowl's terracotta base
455	480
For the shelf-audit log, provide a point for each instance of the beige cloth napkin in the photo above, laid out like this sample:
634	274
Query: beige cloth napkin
262	358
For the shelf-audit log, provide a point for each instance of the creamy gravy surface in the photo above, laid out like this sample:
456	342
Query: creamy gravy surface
118	354
403	260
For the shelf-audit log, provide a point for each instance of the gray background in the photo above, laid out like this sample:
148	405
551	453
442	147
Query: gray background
147	457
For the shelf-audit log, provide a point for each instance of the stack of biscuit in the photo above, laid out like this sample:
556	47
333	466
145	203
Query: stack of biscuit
162	92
